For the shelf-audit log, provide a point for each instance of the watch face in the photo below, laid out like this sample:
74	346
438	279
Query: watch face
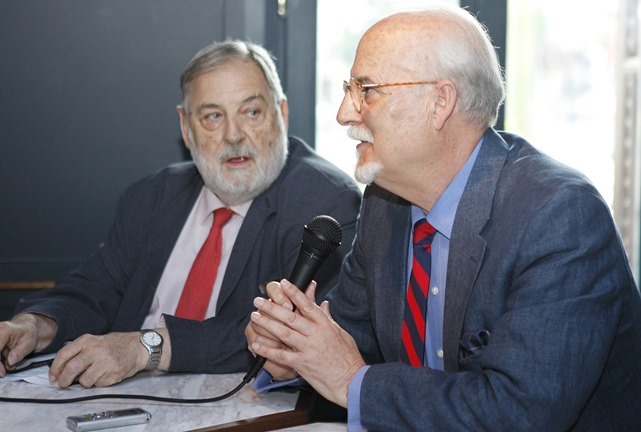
152	338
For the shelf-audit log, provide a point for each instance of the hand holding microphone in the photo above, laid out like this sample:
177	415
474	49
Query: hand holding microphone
314	347
321	237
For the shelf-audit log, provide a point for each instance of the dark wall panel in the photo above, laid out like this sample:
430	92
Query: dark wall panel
88	95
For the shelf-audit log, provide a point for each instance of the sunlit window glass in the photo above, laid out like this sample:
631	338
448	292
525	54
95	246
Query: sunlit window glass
561	90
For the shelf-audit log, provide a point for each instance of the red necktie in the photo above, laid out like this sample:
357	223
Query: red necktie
195	297
414	322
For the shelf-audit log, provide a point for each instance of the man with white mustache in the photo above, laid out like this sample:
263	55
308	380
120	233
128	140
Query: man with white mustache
119	314
487	288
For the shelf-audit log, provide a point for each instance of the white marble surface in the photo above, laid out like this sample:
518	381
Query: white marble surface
165	417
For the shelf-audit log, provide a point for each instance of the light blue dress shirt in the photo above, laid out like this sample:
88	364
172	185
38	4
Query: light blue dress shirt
442	218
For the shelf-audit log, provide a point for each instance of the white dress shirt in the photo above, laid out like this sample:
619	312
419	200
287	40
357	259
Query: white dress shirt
191	239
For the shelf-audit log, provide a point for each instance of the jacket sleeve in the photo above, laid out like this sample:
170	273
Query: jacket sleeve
88	299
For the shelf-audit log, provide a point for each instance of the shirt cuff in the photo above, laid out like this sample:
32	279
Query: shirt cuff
264	382
354	401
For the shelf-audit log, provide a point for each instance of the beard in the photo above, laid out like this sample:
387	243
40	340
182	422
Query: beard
237	186
368	172
365	172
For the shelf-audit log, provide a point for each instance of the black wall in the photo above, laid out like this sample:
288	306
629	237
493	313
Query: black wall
88	95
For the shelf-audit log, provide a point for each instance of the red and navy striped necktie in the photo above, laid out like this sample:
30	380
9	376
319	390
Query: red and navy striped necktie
414	322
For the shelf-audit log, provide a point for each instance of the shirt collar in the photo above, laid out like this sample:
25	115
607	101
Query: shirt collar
211	202
442	214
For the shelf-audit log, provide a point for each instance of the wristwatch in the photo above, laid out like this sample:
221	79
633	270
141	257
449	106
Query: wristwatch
153	342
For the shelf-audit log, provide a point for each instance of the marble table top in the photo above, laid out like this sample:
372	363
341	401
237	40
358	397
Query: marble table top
165	416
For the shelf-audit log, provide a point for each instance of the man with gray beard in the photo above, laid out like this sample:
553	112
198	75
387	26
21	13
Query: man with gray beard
128	308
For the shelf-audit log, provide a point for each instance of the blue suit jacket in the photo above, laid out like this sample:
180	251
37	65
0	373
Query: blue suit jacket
542	321
113	291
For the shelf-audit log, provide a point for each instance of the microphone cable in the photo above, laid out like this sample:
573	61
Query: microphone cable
320	238
246	380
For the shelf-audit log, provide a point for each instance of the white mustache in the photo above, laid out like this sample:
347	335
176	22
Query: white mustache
360	133
237	151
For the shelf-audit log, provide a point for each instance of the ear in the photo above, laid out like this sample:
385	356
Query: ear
445	103
184	125
284	109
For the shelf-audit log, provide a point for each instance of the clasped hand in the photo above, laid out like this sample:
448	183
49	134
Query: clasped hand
307	341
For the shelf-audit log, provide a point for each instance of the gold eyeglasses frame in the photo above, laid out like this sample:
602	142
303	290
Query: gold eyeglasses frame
358	86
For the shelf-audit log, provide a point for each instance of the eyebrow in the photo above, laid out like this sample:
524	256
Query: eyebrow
244	101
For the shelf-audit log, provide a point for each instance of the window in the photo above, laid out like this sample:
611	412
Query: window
572	77
560	80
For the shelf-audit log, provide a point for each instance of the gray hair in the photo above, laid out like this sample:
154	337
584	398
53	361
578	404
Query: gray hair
220	53
465	55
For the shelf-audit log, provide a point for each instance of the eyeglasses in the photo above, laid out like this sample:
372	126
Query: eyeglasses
358	91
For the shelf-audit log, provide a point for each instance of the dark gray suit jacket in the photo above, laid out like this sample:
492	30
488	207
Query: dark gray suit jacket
113	291
542	323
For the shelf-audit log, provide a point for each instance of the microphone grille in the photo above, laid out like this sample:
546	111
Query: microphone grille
323	234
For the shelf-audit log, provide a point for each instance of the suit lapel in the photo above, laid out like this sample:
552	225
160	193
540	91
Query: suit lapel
390	280
168	221
467	247
261	208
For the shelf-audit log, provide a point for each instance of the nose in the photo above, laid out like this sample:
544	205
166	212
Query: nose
234	133
347	114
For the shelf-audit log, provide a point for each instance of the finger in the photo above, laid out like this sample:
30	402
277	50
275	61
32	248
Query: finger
4	340
250	336
16	343
63	356
282	357
301	322
255	332
276	295
325	308
90	377
269	341
310	293
286	317
273	310
277	371
278	331
250	333
306	306
3	359
16	355
73	371
4	363
97	375
10	357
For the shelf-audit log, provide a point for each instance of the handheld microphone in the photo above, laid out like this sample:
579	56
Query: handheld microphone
321	237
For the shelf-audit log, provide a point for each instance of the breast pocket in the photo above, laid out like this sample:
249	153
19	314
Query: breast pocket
471	348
